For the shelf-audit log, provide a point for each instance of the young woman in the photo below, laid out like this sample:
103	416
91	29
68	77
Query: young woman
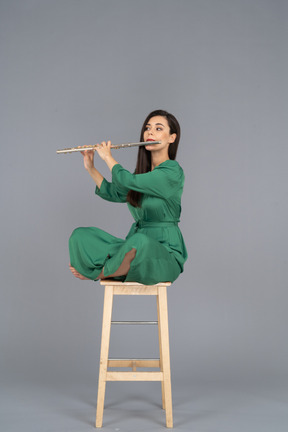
154	250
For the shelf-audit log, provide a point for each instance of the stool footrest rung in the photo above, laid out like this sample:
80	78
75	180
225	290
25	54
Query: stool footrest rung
134	376
135	322
139	363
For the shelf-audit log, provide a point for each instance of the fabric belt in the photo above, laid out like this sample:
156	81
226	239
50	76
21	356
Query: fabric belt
147	224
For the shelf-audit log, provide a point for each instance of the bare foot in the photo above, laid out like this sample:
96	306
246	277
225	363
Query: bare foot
77	274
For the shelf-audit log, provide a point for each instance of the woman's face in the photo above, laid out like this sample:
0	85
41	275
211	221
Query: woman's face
157	129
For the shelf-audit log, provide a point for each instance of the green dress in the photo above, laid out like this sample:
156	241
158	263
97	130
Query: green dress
160	248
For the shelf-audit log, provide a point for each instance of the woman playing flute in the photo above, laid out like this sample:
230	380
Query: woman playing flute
154	250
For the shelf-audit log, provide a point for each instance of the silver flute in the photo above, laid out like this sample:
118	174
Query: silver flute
117	146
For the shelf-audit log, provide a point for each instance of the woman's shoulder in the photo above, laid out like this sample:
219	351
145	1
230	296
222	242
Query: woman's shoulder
171	164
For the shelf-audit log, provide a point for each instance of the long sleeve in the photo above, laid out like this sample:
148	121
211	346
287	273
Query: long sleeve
164	181
111	192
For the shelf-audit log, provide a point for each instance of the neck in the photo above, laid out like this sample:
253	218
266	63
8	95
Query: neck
158	158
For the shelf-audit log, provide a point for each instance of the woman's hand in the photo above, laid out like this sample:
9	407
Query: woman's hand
88	159
104	150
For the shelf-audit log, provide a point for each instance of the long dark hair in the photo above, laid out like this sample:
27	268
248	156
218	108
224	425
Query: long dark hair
144	156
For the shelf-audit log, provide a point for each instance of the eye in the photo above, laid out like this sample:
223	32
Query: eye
147	128
159	128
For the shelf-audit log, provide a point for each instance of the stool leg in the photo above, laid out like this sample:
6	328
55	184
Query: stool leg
161	355
106	327
163	315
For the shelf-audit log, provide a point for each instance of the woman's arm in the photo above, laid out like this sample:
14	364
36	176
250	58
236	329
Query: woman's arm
111	192
96	176
164	181
104	189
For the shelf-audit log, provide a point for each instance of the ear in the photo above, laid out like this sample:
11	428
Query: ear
172	138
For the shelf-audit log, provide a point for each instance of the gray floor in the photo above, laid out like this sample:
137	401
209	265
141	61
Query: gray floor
136	407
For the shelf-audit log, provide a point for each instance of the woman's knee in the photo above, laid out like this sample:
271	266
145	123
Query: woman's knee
76	235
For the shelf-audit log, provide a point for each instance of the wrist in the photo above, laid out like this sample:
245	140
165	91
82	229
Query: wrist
110	161
107	158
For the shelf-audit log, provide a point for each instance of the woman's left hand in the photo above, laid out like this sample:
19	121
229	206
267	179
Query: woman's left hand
104	150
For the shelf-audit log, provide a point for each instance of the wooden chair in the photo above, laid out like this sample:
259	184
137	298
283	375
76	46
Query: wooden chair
112	288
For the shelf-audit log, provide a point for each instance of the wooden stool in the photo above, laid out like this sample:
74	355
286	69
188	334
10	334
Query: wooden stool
163	363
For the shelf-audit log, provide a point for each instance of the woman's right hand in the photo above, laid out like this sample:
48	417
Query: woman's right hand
88	159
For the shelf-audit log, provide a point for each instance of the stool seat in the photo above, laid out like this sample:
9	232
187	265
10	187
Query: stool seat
112	288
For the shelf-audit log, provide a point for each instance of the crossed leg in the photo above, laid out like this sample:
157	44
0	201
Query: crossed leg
121	271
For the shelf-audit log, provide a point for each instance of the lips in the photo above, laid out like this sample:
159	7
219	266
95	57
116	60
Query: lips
150	140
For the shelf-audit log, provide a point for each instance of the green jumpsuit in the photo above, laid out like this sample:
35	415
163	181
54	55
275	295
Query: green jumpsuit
160	248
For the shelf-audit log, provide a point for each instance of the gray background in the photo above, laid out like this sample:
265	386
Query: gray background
77	72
